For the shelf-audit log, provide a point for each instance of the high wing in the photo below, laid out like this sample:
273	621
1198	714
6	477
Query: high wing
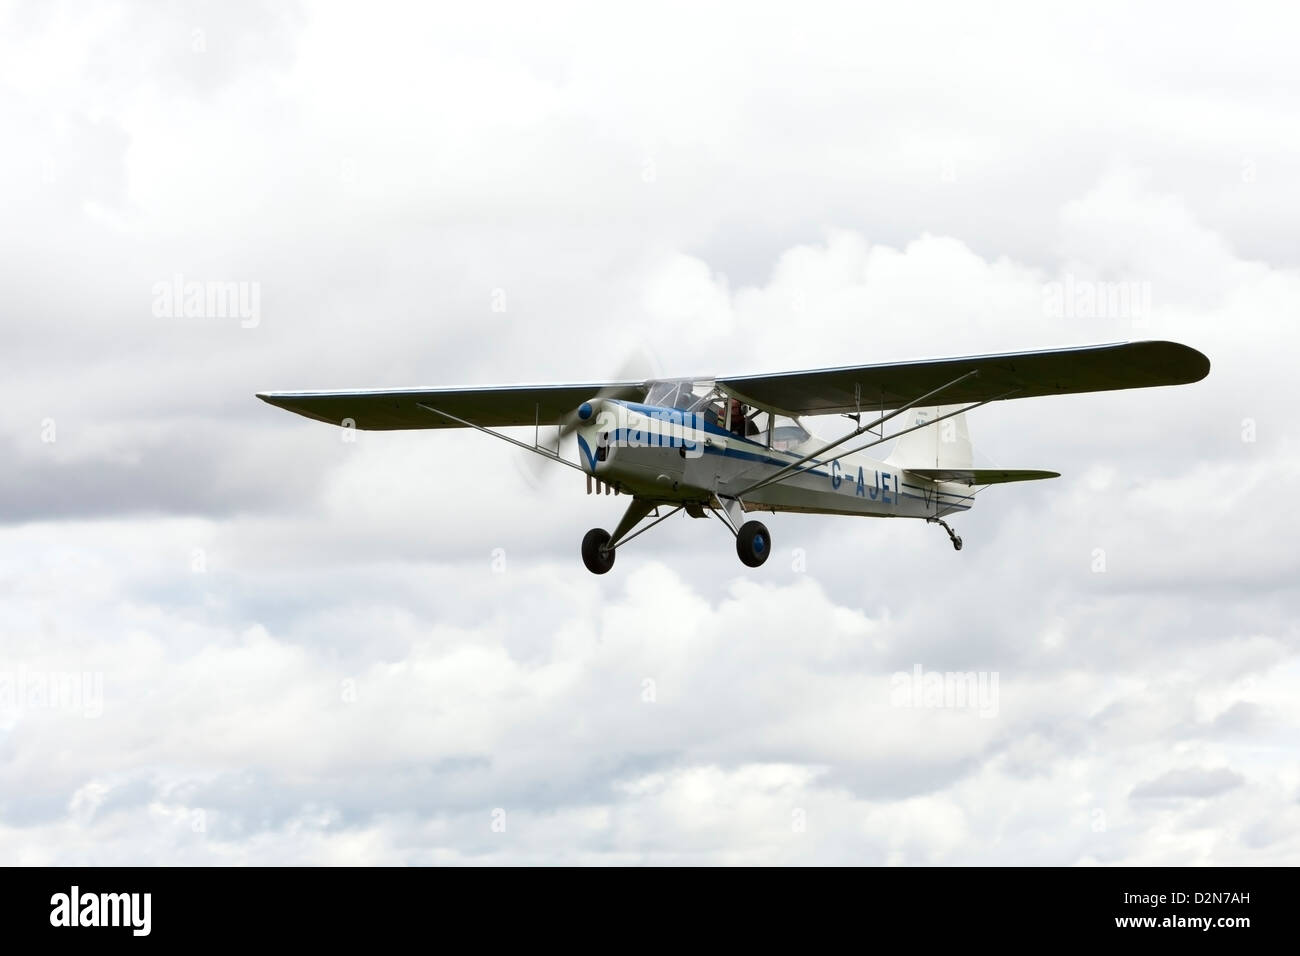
1090	368
981	476
496	406
1093	368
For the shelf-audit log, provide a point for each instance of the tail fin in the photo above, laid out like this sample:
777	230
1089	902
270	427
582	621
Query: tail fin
945	445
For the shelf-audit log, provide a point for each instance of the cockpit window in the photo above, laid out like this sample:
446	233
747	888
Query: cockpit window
671	395
786	436
661	393
789	436
685	395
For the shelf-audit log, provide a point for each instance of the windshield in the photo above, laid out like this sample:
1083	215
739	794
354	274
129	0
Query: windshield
684	395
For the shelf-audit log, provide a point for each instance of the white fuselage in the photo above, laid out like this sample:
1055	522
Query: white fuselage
666	455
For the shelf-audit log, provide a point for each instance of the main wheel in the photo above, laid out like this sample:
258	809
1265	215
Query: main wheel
594	556
753	543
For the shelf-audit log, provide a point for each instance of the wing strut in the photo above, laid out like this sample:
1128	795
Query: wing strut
777	475
535	449
777	479
933	421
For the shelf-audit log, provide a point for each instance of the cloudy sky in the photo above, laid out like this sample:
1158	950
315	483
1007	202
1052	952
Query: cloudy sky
227	635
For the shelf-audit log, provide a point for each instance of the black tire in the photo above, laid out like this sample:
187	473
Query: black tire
597	560
956	543
754	543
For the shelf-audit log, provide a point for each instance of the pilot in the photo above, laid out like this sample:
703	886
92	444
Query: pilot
738	422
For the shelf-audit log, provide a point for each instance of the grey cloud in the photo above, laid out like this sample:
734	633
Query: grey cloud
1194	783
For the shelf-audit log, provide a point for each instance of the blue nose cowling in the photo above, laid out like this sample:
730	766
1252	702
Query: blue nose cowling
585	410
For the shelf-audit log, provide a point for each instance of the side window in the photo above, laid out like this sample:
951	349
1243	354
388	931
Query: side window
789	434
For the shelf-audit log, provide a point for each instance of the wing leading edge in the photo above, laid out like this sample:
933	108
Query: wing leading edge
1090	368
498	406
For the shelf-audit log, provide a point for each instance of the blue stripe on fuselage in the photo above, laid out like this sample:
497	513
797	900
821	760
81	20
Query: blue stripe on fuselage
678	416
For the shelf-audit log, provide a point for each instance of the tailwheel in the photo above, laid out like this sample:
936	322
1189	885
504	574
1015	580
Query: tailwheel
596	553
952	535
753	543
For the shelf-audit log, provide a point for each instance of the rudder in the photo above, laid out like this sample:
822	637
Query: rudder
943	445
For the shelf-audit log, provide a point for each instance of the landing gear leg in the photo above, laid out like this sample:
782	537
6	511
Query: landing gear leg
598	547
956	538
753	540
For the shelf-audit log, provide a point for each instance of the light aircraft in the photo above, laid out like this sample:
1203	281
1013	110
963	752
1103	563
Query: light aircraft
728	446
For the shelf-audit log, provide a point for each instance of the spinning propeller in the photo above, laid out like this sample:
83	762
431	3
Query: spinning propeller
638	365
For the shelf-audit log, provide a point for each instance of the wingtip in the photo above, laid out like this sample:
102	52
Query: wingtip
1192	364
1205	364
1197	362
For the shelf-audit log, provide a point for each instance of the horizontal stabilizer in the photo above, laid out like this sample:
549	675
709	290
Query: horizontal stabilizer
982	476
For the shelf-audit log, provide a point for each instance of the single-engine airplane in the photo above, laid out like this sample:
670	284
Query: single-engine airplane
732	445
